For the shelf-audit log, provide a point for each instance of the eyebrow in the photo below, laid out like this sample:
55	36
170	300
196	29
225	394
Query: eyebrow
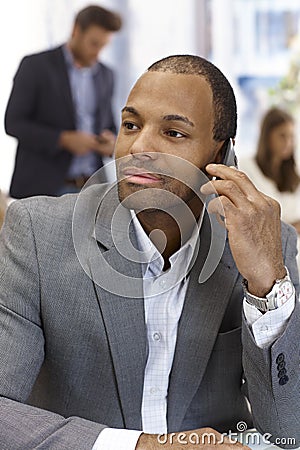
184	119
130	110
168	117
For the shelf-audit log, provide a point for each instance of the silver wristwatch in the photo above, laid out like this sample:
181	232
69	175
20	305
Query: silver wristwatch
280	293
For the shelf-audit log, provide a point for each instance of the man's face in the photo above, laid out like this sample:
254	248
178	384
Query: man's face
166	115
87	44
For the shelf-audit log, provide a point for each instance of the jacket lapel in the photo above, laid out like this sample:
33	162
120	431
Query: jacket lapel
63	82
122	313
100	92
201	318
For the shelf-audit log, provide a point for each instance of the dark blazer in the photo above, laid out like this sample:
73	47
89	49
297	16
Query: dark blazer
39	108
78	350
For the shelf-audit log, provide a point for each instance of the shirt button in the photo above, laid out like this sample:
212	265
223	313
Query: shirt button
154	390
162	283
156	336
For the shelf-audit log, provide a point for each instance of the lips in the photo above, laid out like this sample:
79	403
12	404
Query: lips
139	176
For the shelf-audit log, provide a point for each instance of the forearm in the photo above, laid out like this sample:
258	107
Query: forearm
200	438
275	403
24	426
34	136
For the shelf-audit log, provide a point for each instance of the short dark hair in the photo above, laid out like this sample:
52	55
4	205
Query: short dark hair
101	17
224	104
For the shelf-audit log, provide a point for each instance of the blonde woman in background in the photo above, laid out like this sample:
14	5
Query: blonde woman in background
273	168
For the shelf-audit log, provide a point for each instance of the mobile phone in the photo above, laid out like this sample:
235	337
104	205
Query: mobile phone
229	158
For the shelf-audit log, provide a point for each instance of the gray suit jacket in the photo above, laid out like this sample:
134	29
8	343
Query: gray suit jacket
77	351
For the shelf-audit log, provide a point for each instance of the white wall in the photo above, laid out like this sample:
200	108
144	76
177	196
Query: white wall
16	38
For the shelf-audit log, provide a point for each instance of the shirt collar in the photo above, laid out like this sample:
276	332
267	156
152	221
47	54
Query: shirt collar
152	259
69	58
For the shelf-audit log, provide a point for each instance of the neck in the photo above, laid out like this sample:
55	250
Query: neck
77	62
169	230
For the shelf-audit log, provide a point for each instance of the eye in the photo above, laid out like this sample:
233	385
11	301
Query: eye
175	134
130	126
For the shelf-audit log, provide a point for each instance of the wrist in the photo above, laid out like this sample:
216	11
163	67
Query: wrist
260	287
64	139
147	442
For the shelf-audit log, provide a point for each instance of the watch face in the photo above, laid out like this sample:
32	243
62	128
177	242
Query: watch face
285	291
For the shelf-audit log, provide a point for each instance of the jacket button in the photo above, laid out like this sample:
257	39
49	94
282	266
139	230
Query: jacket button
283	380
281	365
280	358
281	373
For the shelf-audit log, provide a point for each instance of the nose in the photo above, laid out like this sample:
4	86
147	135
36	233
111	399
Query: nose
145	145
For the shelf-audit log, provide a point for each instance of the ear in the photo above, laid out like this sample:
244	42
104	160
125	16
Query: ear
76	30
219	152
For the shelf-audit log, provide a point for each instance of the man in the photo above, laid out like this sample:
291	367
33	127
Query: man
60	110
140	339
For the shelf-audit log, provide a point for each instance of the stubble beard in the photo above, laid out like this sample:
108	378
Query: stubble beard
141	197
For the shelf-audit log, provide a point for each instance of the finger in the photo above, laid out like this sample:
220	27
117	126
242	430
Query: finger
227	188
222	206
247	203
108	134
233	174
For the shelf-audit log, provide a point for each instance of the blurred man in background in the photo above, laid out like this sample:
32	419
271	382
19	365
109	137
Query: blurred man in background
60	110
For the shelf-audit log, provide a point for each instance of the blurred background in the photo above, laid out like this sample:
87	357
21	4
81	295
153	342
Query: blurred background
254	42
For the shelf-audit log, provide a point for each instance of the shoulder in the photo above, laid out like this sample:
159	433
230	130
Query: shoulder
263	183
42	211
42	56
105	71
287	230
248	165
288	233
47	211
104	67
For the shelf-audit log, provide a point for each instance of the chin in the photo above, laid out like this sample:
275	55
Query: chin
139	197
133	196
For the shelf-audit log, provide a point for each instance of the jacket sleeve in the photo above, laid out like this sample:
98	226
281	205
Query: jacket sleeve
22	118
272	373
22	348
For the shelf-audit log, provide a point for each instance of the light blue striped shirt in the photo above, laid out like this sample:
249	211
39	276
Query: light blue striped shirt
84	100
